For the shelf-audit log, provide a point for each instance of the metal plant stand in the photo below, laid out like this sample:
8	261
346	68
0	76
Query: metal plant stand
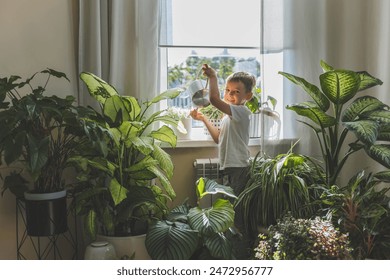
44	247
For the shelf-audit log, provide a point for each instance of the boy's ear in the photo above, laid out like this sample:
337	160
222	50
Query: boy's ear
249	96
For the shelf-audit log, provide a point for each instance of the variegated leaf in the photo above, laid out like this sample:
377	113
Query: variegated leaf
365	130
380	153
361	106
314	92
339	85
309	110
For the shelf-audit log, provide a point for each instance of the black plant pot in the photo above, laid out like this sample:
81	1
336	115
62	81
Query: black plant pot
46	214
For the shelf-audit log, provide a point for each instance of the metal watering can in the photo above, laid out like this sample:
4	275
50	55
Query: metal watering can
199	93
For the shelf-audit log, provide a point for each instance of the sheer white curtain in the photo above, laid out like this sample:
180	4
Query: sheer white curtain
118	41
349	34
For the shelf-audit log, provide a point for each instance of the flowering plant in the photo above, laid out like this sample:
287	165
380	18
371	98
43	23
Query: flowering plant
181	113
303	239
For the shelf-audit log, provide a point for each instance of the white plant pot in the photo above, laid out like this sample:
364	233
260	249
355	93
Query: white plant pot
187	124
271	121
127	246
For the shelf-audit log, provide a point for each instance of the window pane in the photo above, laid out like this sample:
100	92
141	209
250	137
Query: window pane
228	23
184	66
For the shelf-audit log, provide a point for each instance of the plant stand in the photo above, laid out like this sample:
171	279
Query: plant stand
53	247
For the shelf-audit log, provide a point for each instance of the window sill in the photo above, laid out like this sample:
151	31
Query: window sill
202	140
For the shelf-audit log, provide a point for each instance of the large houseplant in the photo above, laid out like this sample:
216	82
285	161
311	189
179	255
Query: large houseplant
360	207
117	191
194	232
38	134
278	185
332	120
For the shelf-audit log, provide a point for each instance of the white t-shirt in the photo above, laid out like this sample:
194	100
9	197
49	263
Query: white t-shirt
234	138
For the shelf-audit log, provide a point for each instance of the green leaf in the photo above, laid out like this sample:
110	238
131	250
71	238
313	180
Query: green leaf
380	153
143	144
309	110
97	87
165	134
55	73
128	131
163	180
16	184
219	246
13	147
164	160
216	219
314	92
90	224
383	176
171	241
339	85
116	110
168	94
361	106
117	191
367	81
38	154
365	130
205	186
382	116
325	67
384	132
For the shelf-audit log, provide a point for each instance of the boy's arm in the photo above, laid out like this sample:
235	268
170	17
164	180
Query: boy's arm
215	97
214	132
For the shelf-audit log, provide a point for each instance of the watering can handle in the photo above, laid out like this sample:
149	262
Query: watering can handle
197	77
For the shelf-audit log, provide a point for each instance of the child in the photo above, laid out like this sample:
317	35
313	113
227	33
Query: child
233	137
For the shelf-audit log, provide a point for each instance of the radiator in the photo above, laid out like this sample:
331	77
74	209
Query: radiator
208	168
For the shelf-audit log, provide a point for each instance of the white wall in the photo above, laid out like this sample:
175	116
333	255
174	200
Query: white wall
34	35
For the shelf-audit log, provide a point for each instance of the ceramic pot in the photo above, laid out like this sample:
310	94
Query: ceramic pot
100	250
128	247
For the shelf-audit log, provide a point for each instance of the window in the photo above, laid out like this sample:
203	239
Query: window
222	33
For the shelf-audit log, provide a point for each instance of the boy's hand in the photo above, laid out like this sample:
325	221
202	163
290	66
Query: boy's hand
208	71
196	115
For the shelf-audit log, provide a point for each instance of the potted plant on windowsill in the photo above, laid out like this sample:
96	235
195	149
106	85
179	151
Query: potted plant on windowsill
38	134
184	126
214	116
263	114
124	174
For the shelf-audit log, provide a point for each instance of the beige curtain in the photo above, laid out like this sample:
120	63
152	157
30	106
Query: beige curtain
118	42
349	34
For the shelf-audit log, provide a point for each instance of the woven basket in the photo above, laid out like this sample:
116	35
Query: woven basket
217	123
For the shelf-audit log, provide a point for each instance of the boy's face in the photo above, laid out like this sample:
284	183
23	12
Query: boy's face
235	93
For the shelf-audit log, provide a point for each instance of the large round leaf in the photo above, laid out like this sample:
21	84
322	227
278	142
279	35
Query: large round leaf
219	246
208	221
171	241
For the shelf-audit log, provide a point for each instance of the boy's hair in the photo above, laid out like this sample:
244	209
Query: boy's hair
246	78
